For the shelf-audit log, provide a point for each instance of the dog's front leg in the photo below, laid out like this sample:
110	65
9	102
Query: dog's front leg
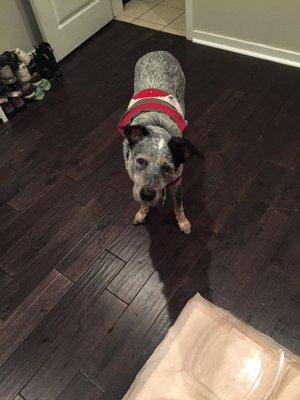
141	215
183	222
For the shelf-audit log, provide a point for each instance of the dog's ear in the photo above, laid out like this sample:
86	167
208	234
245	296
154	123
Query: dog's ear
135	133
182	149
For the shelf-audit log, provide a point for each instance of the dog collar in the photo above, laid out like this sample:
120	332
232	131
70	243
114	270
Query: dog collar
153	100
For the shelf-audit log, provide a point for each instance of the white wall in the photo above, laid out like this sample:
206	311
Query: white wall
263	28
18	27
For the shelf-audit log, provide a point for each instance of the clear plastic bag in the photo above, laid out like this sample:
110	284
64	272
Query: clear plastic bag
210	355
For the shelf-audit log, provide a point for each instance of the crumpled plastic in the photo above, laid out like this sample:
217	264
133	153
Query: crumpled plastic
208	354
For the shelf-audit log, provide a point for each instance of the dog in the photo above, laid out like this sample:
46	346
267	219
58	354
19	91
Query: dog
153	146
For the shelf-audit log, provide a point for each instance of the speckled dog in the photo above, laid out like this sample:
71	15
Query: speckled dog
154	149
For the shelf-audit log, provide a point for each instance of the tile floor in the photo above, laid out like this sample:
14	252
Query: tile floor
162	15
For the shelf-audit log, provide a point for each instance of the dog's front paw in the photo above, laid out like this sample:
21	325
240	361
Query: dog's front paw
185	226
139	218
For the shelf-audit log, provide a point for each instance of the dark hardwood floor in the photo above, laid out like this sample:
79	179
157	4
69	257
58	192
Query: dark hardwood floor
86	296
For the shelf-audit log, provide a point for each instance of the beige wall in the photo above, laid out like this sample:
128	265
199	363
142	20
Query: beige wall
18	27
274	23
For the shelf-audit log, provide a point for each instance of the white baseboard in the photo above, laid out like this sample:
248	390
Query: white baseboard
248	48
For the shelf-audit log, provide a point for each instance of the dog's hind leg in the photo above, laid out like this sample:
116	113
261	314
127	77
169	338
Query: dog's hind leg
183	222
141	215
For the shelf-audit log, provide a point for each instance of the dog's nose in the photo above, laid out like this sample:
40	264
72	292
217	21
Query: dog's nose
147	195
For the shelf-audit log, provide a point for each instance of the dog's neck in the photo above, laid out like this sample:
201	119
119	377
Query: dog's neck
153	118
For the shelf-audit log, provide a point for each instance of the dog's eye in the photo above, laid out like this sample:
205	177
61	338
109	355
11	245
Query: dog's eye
141	161
166	169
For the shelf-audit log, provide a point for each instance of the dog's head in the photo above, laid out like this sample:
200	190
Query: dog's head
154	160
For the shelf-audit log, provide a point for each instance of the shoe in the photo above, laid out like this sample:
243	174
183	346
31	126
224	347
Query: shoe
44	67
36	79
33	67
45	50
23	57
45	85
23	74
28	91
7	76
16	99
7	107
31	93
9	58
39	94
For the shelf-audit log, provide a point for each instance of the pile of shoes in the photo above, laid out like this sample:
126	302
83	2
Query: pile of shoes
25	77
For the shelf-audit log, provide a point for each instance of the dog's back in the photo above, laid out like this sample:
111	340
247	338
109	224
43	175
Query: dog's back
160	70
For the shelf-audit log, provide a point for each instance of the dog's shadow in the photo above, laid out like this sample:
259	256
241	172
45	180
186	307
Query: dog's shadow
185	270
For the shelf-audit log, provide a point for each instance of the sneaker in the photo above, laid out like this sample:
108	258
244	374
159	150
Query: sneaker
16	99
7	76
39	94
28	91
7	107
45	50
45	85
33	67
9	58
32	93
23	74
23	57
36	79
44	67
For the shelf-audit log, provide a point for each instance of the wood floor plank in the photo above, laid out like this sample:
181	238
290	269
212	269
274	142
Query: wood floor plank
102	142
287	329
96	241
81	388
61	211
148	258
4	278
54	329
63	364
32	217
32	191
152	338
286	257
132	237
35	307
268	300
52	222
107	360
5	173
7	216
47	259
90	185
14	146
